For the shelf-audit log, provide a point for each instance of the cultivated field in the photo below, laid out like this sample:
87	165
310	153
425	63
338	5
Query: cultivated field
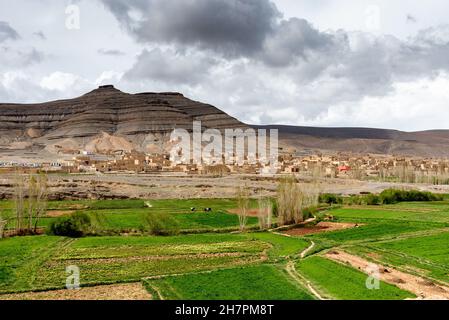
205	257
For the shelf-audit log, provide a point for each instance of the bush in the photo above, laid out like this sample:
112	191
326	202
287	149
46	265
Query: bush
75	226
372	200
330	199
160	224
310	212
391	196
355	200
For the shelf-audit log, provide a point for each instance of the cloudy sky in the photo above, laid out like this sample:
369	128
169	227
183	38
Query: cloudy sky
371	63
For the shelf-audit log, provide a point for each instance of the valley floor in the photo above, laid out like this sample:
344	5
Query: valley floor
182	186
406	242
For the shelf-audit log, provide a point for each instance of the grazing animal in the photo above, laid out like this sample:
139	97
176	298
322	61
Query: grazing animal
148	204
208	210
193	209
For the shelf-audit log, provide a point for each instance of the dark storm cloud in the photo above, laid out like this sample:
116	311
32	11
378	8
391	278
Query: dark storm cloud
231	27
171	67
292	39
7	32
209	38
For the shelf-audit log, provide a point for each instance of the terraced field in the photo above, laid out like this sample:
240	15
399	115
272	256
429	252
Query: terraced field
425	255
42	264
408	239
128	215
337	281
263	282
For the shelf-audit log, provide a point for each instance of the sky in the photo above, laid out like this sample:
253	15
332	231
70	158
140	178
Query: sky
332	63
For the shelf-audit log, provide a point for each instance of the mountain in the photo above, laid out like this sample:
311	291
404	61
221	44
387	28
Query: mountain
107	116
433	143
107	119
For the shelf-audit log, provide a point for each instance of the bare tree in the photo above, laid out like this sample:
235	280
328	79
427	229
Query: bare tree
3	223
32	195
289	201
265	213
242	198
293	199
19	199
28	213
40	198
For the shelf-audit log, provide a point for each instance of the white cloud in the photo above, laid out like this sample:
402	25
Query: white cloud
61	81
109	77
412	105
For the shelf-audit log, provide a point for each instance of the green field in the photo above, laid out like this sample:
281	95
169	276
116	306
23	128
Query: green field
208	260
128	215
264	282
38	263
338	281
426	255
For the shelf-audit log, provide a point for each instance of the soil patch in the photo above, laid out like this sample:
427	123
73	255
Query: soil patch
129	291
321	227
422	288
250	212
13	233
58	213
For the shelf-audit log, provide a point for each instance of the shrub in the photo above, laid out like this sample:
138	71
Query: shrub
391	196
310	212
75	226
160	224
330	198
355	200
372	200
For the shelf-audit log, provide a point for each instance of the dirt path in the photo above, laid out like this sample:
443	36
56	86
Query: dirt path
306	251
130	291
278	229
291	270
422	288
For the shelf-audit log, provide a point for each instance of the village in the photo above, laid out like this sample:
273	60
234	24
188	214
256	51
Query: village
339	165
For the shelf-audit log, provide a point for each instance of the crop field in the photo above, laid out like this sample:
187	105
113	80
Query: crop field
264	282
128	215
38	263
209	260
426	255
338	281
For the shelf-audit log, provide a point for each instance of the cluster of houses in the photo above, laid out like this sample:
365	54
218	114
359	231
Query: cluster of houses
329	166
359	166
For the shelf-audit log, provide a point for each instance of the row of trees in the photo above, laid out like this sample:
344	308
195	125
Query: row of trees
409	174
293	200
30	204
291	205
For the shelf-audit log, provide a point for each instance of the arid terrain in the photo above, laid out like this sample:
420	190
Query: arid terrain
180	186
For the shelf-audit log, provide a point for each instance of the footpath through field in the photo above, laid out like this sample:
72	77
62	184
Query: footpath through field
422	288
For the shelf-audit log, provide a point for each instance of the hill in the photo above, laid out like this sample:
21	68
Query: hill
106	117
432	143
107	120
